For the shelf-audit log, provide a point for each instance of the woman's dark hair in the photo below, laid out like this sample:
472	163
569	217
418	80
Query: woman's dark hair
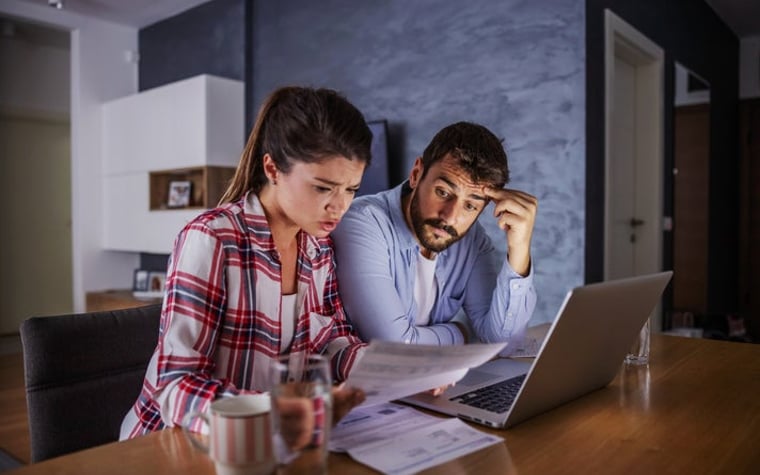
477	150
299	124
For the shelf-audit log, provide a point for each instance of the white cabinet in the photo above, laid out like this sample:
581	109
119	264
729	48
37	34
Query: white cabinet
193	123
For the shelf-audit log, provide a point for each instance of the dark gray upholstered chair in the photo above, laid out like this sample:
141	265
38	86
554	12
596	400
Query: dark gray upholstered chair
83	372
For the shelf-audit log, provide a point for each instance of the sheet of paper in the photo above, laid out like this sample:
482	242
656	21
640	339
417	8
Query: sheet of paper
529	348
392	370
423	447
370	424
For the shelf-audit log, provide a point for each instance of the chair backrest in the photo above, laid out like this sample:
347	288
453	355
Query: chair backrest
83	372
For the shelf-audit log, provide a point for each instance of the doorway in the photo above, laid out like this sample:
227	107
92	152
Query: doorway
691	194
633	153
35	174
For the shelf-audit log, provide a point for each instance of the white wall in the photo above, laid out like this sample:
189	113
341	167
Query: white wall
99	72
749	67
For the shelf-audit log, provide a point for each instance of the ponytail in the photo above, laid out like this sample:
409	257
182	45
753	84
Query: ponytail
299	124
249	174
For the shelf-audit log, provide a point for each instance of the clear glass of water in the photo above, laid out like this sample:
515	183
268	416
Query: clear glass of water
639	352
301	413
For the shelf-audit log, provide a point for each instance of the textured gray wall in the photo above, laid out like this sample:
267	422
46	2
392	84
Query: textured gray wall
208	39
516	66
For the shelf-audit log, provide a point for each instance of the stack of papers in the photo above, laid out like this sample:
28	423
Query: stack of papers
398	439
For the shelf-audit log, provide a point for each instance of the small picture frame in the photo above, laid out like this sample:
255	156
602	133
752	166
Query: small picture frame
140	280
156	282
179	194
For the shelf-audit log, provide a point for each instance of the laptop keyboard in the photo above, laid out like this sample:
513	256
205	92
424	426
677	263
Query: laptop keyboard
497	397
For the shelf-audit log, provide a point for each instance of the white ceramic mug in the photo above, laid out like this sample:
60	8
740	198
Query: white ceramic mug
240	434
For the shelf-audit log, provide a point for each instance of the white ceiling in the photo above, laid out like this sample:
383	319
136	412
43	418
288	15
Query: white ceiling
137	13
742	16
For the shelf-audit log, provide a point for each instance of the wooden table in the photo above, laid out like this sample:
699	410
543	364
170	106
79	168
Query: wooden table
695	409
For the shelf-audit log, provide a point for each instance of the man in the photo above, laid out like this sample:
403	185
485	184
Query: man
410	258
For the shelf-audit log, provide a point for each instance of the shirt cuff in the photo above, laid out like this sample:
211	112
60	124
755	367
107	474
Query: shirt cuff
518	285
457	338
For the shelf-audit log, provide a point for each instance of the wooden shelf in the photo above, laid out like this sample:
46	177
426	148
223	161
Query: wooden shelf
115	300
207	184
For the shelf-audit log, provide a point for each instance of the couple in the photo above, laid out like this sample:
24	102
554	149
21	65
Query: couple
257	277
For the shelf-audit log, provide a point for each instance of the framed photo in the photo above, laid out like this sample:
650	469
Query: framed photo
156	282
179	194
140	280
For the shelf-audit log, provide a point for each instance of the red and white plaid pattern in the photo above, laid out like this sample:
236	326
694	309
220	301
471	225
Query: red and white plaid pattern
220	324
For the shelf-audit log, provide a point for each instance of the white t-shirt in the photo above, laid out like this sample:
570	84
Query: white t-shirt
425	288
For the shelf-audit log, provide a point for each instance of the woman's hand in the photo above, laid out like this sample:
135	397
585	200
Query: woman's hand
296	420
345	399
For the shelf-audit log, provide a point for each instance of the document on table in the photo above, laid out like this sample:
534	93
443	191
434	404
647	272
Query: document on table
365	425
399	439
422	448
391	370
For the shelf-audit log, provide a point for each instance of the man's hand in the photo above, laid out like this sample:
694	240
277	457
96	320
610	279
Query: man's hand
440	389
515	212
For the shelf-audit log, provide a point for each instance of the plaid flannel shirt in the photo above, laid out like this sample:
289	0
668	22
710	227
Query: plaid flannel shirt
220	323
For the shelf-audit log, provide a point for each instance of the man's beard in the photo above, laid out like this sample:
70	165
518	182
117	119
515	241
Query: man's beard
419	223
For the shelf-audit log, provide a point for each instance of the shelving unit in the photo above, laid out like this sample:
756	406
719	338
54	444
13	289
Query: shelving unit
207	186
190	130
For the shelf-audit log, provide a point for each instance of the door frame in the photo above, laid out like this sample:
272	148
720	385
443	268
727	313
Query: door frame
624	41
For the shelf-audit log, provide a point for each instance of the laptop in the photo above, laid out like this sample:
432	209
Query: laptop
582	351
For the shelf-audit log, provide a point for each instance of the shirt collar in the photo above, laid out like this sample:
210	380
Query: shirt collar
406	237
261	233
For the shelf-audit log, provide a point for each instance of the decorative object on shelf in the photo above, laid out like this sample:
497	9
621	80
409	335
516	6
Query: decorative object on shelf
148	284
156	281
200	187
140	280
179	194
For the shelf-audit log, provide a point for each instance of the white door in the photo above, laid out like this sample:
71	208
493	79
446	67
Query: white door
622	177
634	153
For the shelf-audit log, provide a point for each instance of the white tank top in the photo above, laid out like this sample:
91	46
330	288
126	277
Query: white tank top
287	320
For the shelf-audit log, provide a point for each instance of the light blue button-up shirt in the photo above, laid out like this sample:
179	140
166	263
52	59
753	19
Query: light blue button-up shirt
376	256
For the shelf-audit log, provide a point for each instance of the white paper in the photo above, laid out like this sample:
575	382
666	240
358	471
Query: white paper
529	348
423	447
365	425
392	370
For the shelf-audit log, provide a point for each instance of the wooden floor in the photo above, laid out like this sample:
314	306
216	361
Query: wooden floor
14	427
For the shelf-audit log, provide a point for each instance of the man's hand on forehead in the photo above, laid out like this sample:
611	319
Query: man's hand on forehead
515	213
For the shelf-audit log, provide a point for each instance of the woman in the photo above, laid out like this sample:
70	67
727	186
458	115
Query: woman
255	277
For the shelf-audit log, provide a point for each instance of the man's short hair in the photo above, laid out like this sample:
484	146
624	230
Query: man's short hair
477	150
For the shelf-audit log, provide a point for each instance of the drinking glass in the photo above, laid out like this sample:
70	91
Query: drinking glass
639	352
301	413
